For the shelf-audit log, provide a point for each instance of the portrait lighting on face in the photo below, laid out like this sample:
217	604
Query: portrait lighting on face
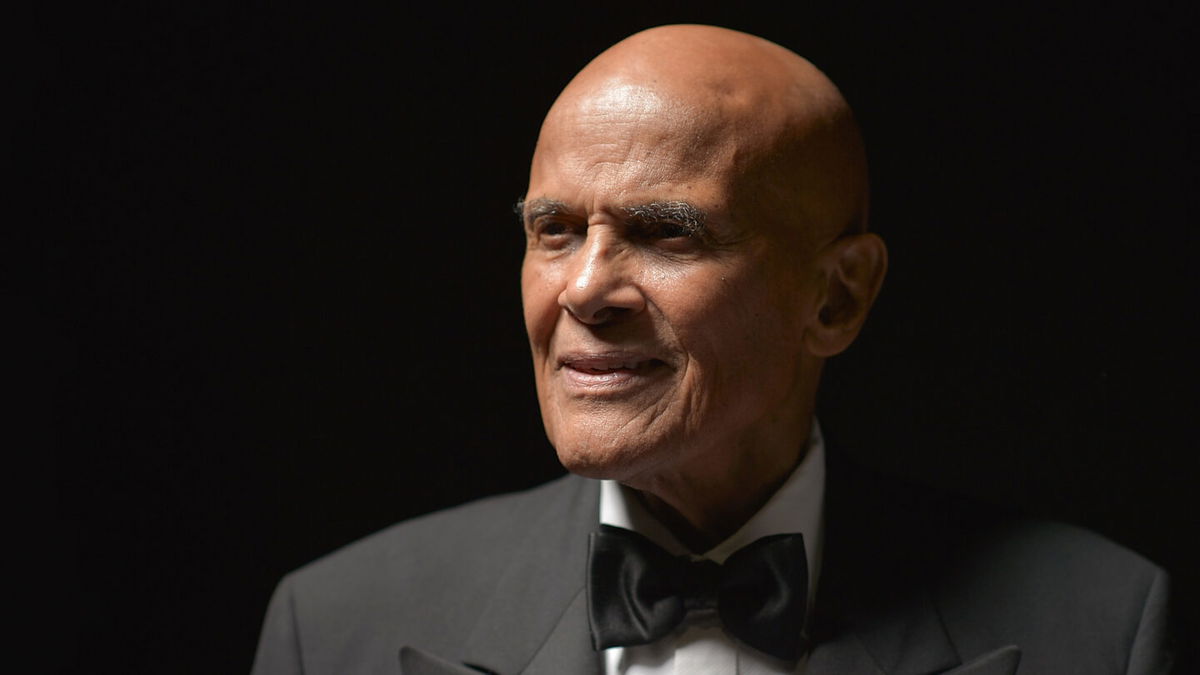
678	302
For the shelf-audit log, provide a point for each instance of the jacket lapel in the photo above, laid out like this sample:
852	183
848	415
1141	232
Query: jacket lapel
1003	661
568	649
415	661
873	614
535	621
908	639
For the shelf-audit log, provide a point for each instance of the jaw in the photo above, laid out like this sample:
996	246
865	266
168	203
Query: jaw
702	483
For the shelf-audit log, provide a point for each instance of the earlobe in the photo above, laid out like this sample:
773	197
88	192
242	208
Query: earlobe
852	270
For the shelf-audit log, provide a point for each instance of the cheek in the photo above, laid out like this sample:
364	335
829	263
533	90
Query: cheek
743	338
539	301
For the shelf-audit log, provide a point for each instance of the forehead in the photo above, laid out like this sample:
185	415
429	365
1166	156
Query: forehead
631	138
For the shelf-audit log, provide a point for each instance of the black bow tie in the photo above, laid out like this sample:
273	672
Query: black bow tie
637	592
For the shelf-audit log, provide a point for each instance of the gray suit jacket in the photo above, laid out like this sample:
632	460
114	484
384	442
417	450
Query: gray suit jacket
913	583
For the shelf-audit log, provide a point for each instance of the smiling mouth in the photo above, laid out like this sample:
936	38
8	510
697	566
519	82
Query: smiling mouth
610	371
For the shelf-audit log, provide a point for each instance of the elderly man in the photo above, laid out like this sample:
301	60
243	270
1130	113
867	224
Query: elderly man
696	247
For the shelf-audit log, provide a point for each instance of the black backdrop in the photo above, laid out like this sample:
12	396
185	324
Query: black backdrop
268	281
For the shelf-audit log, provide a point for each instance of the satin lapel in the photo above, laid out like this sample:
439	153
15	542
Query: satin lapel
414	661
568	649
1003	661
535	610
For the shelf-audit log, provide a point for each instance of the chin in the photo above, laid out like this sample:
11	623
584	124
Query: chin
602	462
589	464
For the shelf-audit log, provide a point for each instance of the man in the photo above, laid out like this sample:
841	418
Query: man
697	246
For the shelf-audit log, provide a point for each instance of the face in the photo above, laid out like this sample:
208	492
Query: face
665	315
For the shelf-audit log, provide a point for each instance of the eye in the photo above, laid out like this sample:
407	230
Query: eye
669	230
552	233
552	229
665	231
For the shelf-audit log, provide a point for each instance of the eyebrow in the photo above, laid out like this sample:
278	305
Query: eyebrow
679	212
541	206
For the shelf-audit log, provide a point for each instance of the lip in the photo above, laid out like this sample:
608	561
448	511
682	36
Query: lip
609	370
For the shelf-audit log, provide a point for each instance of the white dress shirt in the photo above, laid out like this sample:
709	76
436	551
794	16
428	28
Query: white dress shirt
699	645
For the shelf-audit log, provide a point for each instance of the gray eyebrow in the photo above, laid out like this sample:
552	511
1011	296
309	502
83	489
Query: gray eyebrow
680	213
539	207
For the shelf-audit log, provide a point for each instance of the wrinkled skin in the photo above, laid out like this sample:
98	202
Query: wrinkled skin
694	225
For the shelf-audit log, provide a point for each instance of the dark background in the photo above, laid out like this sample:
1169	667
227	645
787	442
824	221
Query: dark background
265	284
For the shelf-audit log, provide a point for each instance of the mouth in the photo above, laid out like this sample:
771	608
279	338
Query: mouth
613	370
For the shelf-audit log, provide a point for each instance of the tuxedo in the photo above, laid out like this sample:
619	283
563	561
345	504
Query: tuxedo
913	583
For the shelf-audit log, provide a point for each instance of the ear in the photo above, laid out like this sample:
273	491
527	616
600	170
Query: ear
851	271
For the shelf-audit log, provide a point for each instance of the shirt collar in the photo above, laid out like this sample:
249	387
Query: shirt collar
795	507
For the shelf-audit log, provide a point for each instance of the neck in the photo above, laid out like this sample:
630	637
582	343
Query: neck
706	505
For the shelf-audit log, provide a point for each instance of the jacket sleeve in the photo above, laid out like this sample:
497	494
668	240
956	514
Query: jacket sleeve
279	644
1151	652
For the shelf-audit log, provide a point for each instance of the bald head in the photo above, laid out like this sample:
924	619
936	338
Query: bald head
738	108
691	259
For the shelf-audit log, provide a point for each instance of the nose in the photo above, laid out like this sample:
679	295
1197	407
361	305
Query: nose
600	285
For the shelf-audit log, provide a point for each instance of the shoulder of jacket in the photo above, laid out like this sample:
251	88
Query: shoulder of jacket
435	544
